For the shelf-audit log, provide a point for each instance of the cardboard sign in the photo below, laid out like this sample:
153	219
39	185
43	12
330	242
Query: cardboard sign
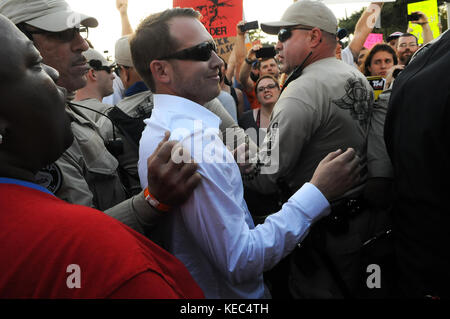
373	39
225	46
219	17
430	9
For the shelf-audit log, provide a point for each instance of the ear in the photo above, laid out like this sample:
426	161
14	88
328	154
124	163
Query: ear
316	37
124	74
161	71
91	75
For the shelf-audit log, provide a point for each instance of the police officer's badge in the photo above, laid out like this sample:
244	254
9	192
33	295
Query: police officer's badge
50	177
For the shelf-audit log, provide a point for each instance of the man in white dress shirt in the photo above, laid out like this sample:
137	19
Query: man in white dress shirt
213	233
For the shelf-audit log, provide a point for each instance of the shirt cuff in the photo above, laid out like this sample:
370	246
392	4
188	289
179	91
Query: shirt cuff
312	202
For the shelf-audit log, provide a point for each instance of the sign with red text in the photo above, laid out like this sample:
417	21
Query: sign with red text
219	17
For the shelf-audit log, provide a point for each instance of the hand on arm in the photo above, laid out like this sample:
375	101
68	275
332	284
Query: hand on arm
169	182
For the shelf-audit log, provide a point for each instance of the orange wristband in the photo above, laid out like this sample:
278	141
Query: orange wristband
154	202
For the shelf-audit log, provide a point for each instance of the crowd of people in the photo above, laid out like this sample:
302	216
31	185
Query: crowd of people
172	173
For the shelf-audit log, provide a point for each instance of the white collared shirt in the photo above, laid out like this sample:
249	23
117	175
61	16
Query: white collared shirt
213	233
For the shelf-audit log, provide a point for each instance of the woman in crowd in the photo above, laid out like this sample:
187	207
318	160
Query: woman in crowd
267	91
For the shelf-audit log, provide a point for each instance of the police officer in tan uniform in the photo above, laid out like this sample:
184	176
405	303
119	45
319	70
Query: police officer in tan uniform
325	105
128	116
86	173
99	84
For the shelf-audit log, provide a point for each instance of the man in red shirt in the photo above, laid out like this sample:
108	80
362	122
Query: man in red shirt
49	248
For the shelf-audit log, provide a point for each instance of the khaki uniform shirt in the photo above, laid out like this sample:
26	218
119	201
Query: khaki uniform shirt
86	174
93	104
327	108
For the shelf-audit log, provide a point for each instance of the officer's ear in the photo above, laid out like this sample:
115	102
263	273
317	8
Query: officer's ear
91	75
162	71
316	37
124	74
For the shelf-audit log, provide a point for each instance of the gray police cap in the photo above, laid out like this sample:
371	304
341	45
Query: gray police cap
49	15
306	13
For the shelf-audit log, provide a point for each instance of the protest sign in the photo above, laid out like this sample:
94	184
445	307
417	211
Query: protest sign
430	9
219	17
372	39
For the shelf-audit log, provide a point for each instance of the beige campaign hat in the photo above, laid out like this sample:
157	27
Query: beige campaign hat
122	52
49	15
92	54
306	13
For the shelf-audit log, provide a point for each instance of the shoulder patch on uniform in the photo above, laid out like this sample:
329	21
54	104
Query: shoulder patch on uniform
50	177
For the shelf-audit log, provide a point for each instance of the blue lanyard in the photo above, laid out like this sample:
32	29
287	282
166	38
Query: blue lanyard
4	180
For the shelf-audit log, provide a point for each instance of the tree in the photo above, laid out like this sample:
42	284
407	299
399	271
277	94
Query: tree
257	34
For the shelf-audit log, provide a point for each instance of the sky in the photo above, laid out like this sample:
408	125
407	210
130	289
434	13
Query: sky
109	30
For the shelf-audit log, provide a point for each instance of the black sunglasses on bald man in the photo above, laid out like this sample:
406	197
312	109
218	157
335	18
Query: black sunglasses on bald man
199	52
97	66
285	33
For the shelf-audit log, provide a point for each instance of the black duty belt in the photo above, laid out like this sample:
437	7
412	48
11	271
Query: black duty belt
342	211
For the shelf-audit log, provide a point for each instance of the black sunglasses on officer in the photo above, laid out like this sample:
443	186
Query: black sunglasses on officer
199	52
97	66
285	33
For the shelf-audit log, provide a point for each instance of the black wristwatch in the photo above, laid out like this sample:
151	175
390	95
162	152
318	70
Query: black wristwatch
249	62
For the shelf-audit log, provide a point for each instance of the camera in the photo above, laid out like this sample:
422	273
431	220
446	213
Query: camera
413	17
249	26
266	52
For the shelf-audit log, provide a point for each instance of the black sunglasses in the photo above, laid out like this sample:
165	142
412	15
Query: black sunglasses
286	33
200	52
63	36
97	66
